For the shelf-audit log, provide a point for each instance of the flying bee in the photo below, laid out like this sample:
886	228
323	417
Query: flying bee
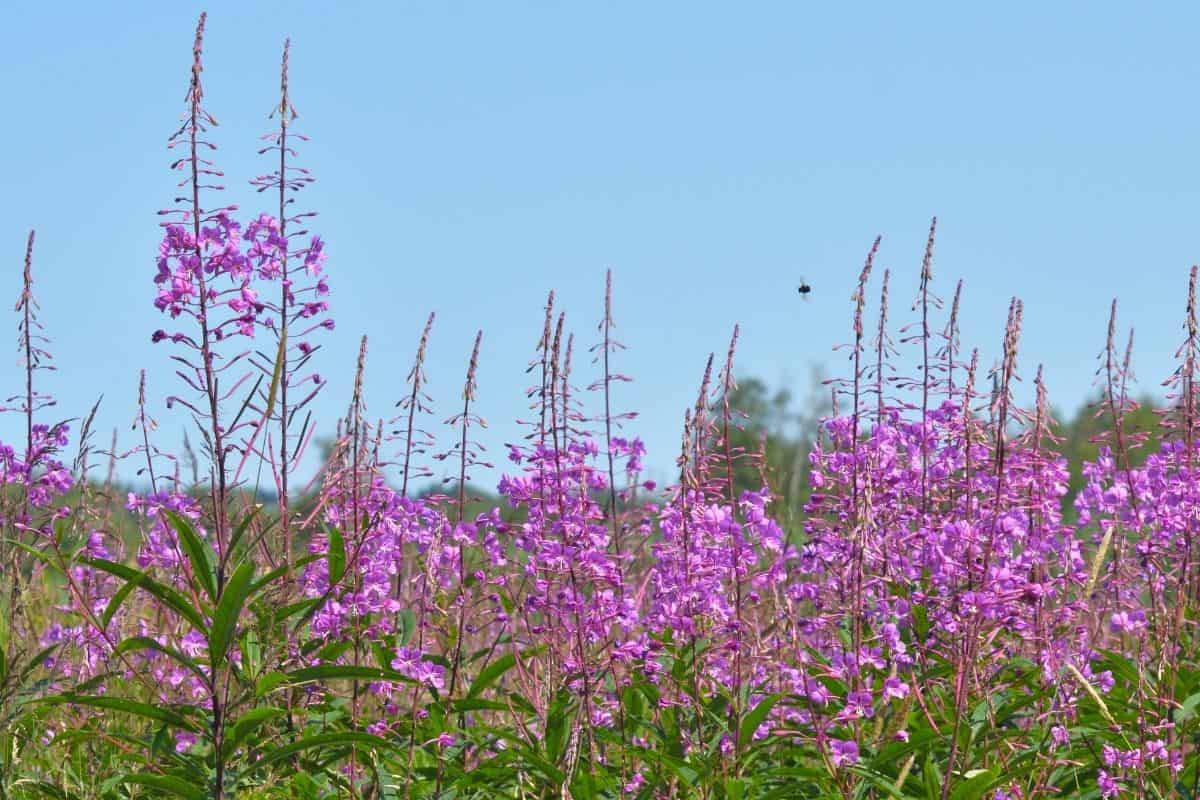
804	289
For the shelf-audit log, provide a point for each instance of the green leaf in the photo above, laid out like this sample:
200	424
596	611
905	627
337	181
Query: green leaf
167	783
198	553
475	704
518	702
309	607
1123	668
319	740
162	743
144	710
306	608
240	531
920	616
269	683
280	366
229	608
408	626
252	652
583	787
49	790
879	782
171	597
932	777
975	786
683	666
755	718
249	722
38	554
491	673
1187	708
672	735
270	577
893	753
117	599
146	643
556	726
331	652
383	655
528	756
326	672
337	556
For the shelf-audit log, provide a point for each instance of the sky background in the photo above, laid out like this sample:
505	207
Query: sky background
471	156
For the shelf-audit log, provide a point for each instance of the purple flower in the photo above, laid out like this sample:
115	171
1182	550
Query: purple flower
1061	735
1108	785
1156	750
843	753
895	688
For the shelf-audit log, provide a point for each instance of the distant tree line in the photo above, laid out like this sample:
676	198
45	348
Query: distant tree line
775	426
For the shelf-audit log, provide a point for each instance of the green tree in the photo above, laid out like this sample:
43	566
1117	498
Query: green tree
779	436
1092	427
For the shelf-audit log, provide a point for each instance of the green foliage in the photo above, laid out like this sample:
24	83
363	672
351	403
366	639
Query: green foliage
768	423
1091	422
278	730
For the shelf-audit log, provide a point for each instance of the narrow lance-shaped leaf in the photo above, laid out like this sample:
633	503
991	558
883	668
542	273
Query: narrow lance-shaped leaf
249	722
197	552
117	600
337	556
229	609
146	643
756	717
276	374
284	569
167	783
325	672
171	597
240	531
491	673
364	740
134	707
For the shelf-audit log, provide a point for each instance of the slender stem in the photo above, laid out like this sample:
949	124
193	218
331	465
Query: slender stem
219	492
612	479
926	277
284	290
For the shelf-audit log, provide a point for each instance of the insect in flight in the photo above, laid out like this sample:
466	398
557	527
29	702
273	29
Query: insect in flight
805	289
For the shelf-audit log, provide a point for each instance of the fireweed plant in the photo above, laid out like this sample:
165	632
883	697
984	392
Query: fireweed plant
932	627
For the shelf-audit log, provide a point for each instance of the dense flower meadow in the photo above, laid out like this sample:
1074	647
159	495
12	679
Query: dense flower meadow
933	626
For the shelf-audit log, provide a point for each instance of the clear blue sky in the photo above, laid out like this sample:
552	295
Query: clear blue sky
470	157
